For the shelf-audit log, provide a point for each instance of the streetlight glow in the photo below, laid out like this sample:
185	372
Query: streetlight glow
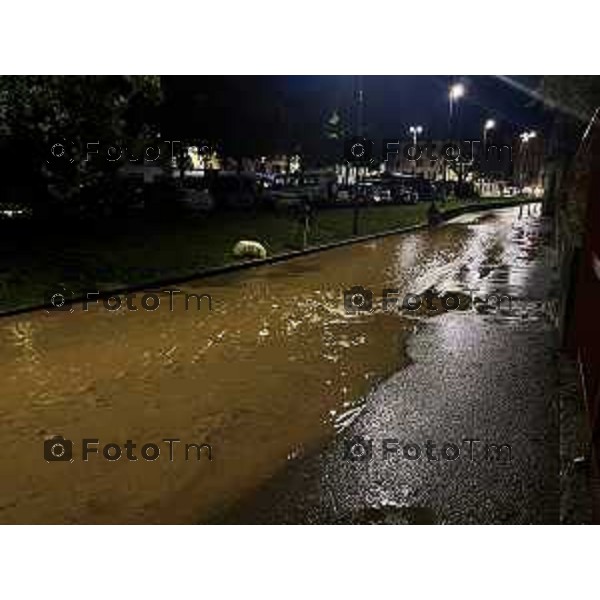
457	91
528	135
415	130
489	124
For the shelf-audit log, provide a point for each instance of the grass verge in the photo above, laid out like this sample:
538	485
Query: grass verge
113	254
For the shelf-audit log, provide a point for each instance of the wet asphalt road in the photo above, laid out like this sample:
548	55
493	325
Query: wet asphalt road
489	376
279	377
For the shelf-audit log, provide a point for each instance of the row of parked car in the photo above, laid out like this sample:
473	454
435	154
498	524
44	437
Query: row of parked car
389	191
325	190
226	189
244	190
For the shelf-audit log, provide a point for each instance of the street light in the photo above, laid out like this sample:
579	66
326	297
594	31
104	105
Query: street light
528	135
524	166
415	130
456	92
487	126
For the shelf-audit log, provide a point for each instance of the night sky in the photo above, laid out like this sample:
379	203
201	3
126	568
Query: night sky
269	114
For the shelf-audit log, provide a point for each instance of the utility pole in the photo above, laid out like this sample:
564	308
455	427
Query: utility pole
359	128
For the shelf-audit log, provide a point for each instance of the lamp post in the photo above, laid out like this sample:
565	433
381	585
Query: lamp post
359	97
525	137
488	126
455	93
415	130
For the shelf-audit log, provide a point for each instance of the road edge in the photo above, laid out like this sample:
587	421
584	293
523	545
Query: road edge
283	256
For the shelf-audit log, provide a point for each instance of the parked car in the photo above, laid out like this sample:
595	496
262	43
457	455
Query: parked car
408	196
234	190
409	189
378	192
344	194
403	195
319	186
12	210
288	198
363	193
510	191
200	200
382	195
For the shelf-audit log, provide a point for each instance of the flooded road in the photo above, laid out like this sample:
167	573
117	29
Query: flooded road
274	372
468	431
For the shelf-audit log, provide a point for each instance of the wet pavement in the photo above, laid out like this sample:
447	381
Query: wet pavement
278	378
490	377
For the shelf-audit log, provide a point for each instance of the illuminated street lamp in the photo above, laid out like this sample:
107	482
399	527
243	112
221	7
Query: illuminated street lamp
487	126
528	135
524	163
456	92
415	130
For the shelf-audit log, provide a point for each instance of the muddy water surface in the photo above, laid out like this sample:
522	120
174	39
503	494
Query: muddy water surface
273	371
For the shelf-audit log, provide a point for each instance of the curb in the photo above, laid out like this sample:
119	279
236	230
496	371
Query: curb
258	262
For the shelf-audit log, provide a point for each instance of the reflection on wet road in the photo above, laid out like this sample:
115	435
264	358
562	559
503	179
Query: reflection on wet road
486	377
274	372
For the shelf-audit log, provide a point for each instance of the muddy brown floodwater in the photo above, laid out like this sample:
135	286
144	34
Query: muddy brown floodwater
272	372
